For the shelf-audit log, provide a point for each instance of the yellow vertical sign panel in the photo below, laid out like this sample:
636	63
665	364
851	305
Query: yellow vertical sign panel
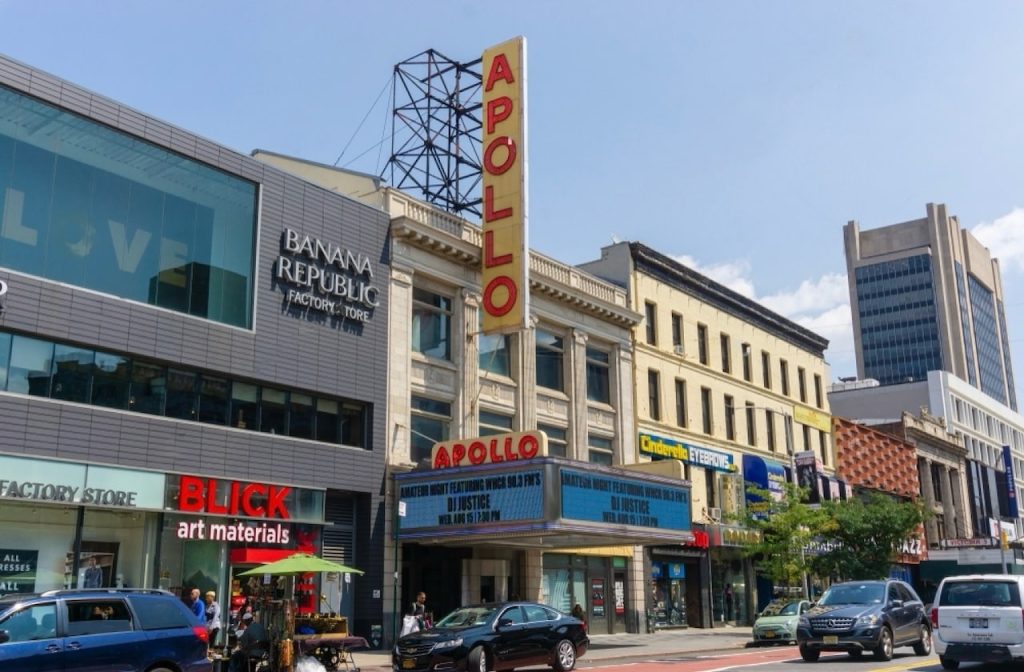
504	261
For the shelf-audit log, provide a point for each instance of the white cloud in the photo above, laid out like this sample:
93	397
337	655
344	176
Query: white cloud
811	296
1004	239
820	304
732	274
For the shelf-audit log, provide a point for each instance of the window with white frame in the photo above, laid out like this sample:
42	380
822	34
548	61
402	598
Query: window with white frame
598	375
557	440
494	423
431	324
599	449
495	353
430	422
550	349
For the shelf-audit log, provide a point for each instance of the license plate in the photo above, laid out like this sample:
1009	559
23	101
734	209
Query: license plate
979	623
830	639
768	634
408	663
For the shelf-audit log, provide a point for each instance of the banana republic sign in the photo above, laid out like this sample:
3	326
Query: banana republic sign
325	278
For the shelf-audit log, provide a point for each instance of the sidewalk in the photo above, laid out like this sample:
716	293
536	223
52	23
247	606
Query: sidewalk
663	644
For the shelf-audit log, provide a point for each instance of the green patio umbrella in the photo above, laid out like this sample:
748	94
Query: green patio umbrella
300	563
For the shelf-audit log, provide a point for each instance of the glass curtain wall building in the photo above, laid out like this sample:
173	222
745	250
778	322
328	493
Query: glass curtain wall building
926	295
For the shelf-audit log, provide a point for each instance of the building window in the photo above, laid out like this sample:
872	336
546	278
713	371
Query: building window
653	394
818	399
706	411
751	425
431	324
747	367
769	424
823	446
681	403
117	381
936	482
726	360
599	450
650	316
677	330
430	421
766	369
598	370
557	443
94	207
550	350
730	419
710	494
494	423
807	437
801	382
495	350
784	376
702	343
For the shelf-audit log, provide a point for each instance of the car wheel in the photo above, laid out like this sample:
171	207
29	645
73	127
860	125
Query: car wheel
923	646
565	656
855	653
810	655
160	669
477	660
884	649
949	664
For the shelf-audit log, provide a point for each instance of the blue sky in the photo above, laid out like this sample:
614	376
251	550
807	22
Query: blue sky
737	136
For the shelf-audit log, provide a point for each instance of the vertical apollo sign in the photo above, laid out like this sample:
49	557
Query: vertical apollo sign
505	261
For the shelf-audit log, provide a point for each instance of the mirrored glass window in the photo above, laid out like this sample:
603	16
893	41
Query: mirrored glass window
29	371
91	206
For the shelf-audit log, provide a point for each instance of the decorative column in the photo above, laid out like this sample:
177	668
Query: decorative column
622	398
954	508
578	419
924	473
525	373
467	333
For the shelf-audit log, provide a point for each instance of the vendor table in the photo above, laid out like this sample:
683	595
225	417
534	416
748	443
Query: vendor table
333	650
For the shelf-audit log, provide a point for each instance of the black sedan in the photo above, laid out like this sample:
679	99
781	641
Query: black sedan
490	637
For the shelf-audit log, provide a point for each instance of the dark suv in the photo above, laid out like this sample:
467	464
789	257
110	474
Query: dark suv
101	629
859	616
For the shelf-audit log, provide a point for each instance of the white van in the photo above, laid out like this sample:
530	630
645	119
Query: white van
978	617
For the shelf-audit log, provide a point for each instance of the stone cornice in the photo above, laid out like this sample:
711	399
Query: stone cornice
457	240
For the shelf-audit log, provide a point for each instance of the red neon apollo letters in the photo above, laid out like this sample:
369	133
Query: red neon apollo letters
483	451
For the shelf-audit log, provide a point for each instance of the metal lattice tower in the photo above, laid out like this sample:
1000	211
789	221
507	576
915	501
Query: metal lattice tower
438	100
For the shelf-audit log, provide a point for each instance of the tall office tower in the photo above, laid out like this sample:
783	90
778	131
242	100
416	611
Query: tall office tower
927	295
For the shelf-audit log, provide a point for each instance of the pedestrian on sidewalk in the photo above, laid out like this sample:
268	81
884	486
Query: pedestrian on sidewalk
728	601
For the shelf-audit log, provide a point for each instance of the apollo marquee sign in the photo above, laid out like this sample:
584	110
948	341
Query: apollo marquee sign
326	278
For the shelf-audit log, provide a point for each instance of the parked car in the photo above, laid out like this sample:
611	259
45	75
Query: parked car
777	622
978	618
859	616
115	630
491	637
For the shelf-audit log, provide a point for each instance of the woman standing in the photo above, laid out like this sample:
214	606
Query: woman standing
212	617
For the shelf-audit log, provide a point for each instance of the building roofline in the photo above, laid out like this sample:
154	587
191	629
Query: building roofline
671	271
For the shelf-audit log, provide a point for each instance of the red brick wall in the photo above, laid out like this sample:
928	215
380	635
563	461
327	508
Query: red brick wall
871	459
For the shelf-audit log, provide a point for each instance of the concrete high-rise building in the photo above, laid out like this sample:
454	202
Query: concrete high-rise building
926	295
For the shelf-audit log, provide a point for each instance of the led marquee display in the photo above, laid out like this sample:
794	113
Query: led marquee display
462	502
598	498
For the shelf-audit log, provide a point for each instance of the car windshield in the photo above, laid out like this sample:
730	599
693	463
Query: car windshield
980	593
465	617
854	593
782	609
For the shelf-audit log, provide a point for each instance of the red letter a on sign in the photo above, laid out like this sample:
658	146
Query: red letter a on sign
500	69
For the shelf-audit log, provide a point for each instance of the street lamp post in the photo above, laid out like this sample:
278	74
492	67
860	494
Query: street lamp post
788	424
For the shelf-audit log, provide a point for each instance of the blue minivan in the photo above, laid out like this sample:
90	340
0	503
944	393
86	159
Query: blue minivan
101	630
